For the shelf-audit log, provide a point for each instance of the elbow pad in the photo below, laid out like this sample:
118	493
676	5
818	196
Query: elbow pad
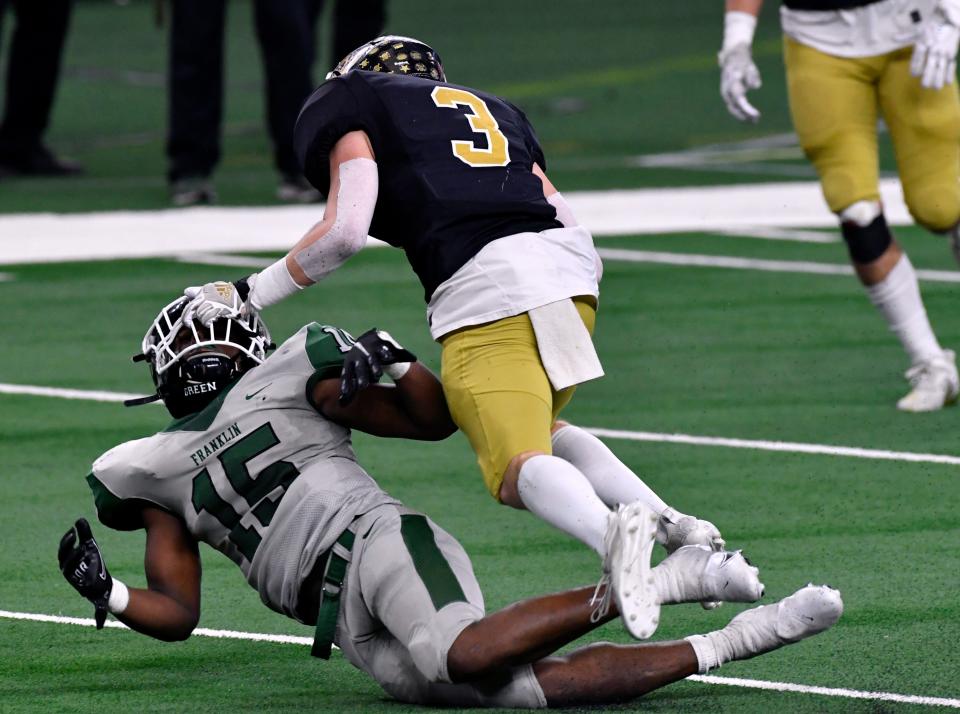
356	200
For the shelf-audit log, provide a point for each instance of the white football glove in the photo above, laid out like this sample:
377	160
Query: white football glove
211	302
738	75
935	51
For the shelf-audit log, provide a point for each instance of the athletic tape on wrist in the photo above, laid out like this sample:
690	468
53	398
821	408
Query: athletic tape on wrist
738	29
119	598
397	370
273	285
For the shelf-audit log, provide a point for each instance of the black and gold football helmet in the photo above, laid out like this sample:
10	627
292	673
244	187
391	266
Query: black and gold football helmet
393	54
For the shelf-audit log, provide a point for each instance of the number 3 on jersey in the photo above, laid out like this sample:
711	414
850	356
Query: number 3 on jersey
481	121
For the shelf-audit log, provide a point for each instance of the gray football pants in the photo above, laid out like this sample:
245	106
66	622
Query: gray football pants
408	594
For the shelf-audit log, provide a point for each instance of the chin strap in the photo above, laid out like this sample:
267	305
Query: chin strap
141	400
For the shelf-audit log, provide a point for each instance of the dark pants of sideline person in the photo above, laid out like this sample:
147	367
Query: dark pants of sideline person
286	33
33	69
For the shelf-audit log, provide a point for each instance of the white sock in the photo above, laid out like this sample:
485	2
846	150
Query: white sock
707	656
556	492
897	297
612	481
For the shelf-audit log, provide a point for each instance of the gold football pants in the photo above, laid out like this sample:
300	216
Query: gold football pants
835	103
498	392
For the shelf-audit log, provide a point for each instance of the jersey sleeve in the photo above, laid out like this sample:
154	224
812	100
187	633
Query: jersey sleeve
113	481
330	112
530	138
325	347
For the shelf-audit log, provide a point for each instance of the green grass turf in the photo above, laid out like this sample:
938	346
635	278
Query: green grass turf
701	351
599	86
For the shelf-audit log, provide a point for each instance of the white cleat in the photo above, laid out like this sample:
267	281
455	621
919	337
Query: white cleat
631	533
808	611
676	530
934	383
695	573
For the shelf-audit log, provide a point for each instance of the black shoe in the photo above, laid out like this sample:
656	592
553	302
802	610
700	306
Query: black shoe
193	191
39	162
294	188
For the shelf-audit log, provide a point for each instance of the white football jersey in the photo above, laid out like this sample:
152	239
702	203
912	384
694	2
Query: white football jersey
259	474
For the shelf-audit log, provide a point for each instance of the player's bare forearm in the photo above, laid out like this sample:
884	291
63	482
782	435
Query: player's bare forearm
413	408
169	608
749	6
159	616
420	396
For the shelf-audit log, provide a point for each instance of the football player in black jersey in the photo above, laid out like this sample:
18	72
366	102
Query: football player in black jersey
455	177
845	60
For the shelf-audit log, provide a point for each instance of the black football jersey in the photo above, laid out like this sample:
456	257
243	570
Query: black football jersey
454	163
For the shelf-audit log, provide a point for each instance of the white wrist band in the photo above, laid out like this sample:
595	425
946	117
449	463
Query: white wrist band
738	29
273	285
119	597
396	371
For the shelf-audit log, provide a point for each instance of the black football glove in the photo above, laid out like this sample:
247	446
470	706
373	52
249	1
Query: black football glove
82	565
363	364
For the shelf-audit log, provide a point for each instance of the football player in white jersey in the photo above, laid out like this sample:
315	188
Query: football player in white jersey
258	465
848	62
510	279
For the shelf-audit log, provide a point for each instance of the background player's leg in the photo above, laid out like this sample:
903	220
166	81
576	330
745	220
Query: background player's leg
925	127
834	106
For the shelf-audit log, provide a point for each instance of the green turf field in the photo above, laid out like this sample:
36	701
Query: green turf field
779	357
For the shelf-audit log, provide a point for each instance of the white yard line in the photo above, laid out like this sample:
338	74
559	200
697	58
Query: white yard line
774	266
705	679
689	439
798	235
47	237
59	393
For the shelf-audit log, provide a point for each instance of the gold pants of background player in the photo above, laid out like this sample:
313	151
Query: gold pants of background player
835	103
498	392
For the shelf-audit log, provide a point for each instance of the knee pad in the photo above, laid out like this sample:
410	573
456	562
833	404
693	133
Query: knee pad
865	231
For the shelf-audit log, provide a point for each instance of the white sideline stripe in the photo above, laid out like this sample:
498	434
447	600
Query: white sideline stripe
238	261
773	266
705	679
784	446
48	237
90	396
201	631
760	445
827	691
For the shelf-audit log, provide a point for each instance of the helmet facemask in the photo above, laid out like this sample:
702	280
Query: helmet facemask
192	364
393	54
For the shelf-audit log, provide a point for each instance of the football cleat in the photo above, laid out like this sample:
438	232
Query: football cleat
631	532
810	610
934	384
676	530
695	573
